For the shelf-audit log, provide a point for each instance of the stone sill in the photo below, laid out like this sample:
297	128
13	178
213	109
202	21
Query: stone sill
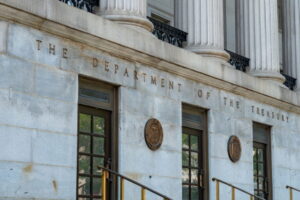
65	21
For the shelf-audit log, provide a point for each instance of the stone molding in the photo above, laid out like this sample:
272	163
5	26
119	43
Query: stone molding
57	18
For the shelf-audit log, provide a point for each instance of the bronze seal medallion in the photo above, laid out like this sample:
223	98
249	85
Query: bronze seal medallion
234	148
153	134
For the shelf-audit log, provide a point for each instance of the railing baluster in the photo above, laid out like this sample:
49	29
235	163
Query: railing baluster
251	197
232	193
217	190
122	189
143	193
104	185
291	194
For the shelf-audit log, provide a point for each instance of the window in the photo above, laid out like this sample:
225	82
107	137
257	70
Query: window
262	161
95	139
194	154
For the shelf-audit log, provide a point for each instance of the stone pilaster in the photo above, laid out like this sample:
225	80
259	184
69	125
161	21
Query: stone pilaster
257	22
129	12
291	39
204	22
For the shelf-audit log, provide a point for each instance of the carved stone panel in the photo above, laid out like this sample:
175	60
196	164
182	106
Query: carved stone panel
153	134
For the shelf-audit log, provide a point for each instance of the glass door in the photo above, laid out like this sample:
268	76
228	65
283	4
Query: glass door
192	164
260	170
94	149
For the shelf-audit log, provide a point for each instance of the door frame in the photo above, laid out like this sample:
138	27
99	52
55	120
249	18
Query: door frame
202	127
112	106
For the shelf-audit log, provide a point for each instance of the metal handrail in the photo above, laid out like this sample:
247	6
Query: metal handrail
143	187
291	189
233	188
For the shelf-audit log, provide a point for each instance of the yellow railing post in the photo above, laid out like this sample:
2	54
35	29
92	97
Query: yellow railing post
104	185
291	194
122	189
232	193
251	197
217	190
143	194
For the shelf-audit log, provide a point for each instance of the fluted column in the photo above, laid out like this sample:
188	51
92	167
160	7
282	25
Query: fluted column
203	20
258	37
291	39
129	12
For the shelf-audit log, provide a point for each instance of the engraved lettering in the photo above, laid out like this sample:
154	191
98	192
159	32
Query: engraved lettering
179	87
200	93
207	95
64	53
225	101
231	103
116	68
257	111
126	72
153	80
268	114
136	75
171	85
252	109
51	49
144	76
238	105
162	82
38	44
95	62
106	64
262	112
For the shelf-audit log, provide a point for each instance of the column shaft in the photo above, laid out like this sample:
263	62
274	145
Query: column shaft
258	38
203	20
291	39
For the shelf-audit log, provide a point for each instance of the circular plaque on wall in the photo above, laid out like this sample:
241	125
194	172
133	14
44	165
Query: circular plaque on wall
234	149
153	134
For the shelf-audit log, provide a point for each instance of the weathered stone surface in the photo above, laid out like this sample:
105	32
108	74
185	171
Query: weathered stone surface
33	181
38	99
56	84
3	36
38	113
17	74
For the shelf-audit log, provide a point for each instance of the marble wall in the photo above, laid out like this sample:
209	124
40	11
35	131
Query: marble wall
38	124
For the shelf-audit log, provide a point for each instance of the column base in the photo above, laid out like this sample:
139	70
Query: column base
136	22
207	52
274	77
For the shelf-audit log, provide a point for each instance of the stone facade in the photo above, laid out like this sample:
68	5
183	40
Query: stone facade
41	59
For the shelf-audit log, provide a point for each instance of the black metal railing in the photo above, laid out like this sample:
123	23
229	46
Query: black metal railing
290	82
168	33
240	62
87	5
